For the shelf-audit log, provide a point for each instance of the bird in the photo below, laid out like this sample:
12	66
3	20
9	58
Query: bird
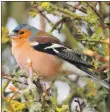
50	58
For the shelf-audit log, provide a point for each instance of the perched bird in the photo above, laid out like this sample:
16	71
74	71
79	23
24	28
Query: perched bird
50	58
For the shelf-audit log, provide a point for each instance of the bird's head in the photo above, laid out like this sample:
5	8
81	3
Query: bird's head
23	31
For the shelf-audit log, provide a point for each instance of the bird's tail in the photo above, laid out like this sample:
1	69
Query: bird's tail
94	78
103	83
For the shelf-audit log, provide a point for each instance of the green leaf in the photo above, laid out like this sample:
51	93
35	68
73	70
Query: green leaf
33	13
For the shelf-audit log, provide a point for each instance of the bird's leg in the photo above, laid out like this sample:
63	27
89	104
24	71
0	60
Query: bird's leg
46	91
31	85
29	80
29	62
51	84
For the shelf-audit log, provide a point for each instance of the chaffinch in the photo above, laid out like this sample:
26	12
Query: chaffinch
50	58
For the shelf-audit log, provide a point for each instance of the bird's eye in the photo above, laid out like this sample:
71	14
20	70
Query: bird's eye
22	32
16	31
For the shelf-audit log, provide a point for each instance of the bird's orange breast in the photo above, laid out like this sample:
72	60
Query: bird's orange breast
47	66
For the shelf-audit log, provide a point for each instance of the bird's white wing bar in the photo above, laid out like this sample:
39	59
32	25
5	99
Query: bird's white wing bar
56	51
54	46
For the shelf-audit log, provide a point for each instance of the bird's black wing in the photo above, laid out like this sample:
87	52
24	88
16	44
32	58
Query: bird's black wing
61	51
69	55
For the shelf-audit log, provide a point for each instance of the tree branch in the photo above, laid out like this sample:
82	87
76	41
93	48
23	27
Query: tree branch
10	78
94	40
77	8
55	25
80	106
42	22
94	10
41	12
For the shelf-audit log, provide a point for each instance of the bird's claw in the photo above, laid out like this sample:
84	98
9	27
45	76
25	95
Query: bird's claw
46	91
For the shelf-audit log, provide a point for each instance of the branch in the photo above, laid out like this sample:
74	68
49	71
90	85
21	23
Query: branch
104	41
94	10
67	12
46	18
103	68
77	8
52	8
41	12
55	25
80	106
5	76
42	22
103	26
96	55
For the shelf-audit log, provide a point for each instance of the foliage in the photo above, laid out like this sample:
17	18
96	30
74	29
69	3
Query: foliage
13	105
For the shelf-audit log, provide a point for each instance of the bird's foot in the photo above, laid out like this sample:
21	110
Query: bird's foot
51	84
46	91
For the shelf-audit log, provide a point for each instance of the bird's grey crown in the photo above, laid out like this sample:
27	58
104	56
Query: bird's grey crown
26	26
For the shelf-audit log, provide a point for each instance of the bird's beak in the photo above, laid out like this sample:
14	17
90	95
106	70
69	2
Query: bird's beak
13	35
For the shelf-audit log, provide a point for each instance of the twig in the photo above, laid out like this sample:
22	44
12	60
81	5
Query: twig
57	24
93	40
104	67
103	26
46	18
80	106
76	7
91	53
41	12
15	94
67	12
42	22
10	78
94	10
4	86
38	85
59	29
